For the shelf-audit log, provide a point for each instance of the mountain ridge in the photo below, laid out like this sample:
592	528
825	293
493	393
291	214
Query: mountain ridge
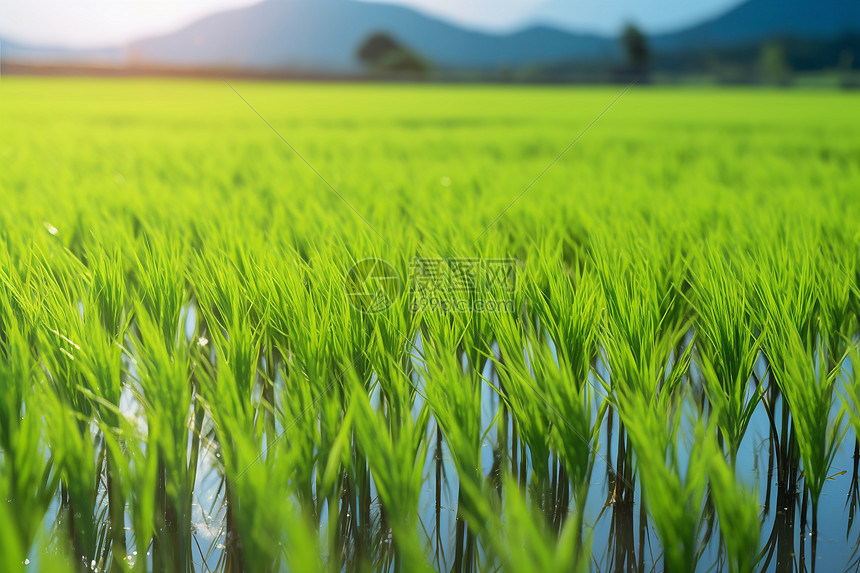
323	36
310	34
756	20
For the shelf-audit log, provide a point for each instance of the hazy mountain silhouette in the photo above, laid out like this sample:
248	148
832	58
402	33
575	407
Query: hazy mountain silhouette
324	35
608	16
21	52
757	20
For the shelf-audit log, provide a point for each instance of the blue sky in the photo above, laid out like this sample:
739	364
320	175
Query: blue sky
88	23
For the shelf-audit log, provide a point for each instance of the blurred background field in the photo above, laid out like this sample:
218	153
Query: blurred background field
174	150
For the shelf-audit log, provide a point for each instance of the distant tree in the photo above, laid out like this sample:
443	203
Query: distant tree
846	60
377	47
773	66
635	45
845	65
381	52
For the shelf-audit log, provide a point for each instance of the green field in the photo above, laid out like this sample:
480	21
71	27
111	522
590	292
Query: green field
635	354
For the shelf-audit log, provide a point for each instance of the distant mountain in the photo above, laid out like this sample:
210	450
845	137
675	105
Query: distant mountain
323	35
609	16
758	20
24	53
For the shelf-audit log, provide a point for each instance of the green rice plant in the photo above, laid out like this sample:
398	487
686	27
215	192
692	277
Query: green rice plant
389	349
311	322
28	479
566	302
645	317
785	270
299	416
523	393
68	403
233	406
850	394
135	478
321	339
523	541
396	456
569	404
257	465
14	554
808	387
568	314
558	352
78	466
854	263
159	277
642	335
834	290
256	270
454	398
673	491
737	509
164	375
100	360
163	366
265	529
727	349
105	324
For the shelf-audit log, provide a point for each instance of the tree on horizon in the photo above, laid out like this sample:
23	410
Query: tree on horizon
381	52
636	47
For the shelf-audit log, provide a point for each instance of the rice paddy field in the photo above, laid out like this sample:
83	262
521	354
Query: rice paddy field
264	327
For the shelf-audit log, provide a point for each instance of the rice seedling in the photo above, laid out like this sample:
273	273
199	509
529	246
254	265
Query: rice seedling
27	476
674	491
546	366
737	509
850	394
524	542
645	318
808	387
265	529
834	292
454	398
70	342
727	349
164	376
135	477
524	396
395	454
